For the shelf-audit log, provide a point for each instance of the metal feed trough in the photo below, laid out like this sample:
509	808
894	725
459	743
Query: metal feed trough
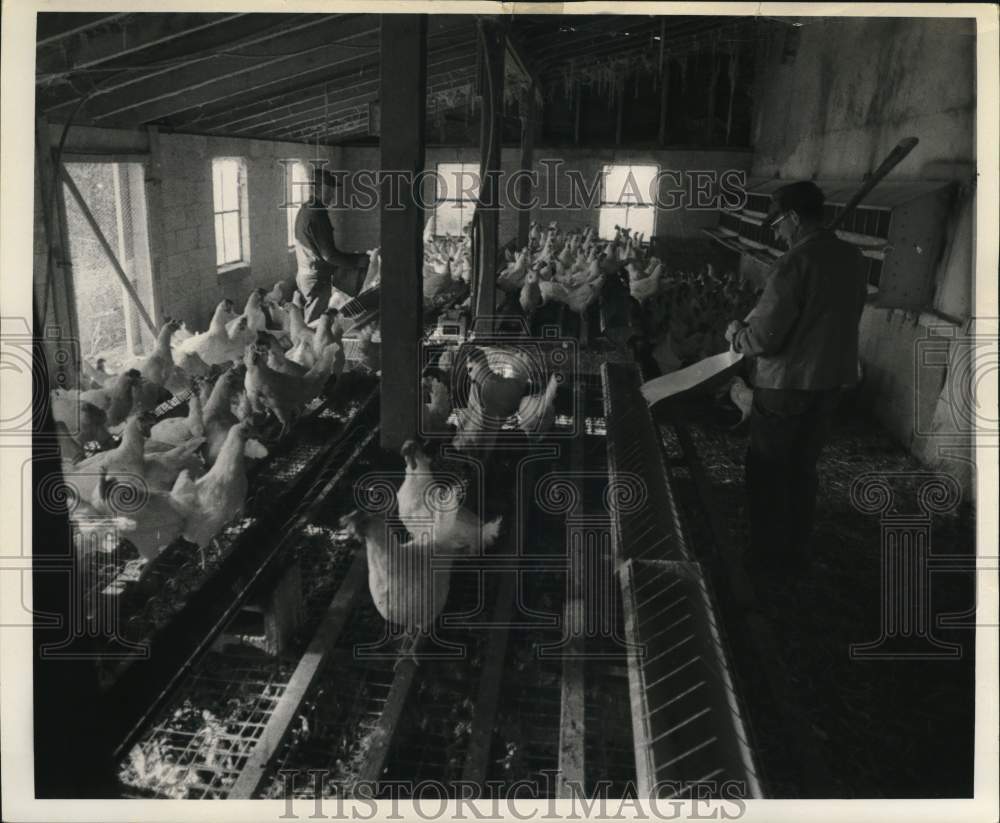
688	728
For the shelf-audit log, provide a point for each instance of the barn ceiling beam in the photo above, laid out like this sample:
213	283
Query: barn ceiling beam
56	26
559	48
132	35
303	98
129	89
621	44
323	112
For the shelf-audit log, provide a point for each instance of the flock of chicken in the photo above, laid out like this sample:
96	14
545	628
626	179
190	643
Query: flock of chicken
187	476
447	269
566	267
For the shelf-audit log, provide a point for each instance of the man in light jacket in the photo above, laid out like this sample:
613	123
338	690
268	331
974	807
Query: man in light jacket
321	266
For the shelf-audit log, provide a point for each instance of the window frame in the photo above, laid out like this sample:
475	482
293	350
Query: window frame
242	211
606	203
294	204
463	167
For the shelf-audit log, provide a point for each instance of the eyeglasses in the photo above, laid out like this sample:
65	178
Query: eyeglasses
774	225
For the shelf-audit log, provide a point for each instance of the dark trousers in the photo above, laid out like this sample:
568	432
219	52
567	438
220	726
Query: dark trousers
788	429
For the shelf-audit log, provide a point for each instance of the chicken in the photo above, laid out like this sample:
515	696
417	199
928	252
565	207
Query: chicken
409	581
301	355
217	415
240	336
450	525
123	463
643	286
373	277
537	412
154	525
95	374
253	312
158	367
212	347
742	396
79	421
437	412
513	276
531	294
128	392
218	496
369	354
177	430
474	428
162	467
277	357
297	328
284	394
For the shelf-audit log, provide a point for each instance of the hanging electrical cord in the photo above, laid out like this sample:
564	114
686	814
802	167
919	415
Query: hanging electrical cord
487	106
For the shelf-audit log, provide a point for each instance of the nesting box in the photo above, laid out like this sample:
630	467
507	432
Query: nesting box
899	228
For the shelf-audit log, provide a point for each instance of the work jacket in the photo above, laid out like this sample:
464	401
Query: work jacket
313	246
804	329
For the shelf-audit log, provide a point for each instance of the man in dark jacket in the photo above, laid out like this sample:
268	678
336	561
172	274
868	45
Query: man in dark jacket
803	333
321	266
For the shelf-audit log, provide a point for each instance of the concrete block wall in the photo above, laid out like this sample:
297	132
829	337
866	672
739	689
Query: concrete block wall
191	283
834	111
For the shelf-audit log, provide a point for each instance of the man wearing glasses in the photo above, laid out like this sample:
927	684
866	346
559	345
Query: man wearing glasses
803	333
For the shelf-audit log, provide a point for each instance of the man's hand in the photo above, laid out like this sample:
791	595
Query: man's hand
733	327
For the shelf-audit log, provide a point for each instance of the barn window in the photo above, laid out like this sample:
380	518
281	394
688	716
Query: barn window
232	232
298	194
627	200
455	199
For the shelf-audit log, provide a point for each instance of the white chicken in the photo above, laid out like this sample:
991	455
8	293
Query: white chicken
161	468
437	412
218	496
95	374
283	394
158	366
425	505
124	463
408	581
643	286
150	525
177	430
742	396
217	414
253	312
213	346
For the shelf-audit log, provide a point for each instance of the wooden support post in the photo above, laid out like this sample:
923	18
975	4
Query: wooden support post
712	85
490	138
55	303
403	106
155	212
577	109
525	189
620	111
664	82
108	251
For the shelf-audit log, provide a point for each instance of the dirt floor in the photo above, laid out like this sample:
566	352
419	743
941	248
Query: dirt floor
882	727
